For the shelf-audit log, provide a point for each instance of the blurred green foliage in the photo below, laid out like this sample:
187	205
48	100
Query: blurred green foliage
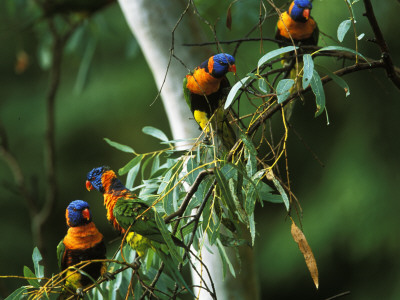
349	207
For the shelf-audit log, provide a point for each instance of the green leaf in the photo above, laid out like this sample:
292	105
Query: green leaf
262	85
156	164
274	53
119	146
251	165
252	76
17	294
252	226
283	89
167	237
28	273
308	70
224	186
157	133
173	154
132	174
125	169
342	29
234	90
239	209
337	79
360	36
339	48
248	144
265	193
228	241
225	260
36	258
318	90
282	192
251	192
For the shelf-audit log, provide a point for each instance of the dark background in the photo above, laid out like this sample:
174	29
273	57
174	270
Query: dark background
350	206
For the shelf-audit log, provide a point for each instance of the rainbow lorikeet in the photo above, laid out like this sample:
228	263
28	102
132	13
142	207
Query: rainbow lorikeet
205	91
82	242
297	23
127	212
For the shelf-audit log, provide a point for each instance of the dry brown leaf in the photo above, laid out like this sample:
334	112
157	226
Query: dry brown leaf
229	17
304	247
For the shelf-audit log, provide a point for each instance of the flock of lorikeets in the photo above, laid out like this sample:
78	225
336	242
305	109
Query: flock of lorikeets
205	90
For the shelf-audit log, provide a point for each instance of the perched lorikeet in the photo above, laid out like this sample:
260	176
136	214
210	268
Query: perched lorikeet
205	91
123	208
82	242
297	22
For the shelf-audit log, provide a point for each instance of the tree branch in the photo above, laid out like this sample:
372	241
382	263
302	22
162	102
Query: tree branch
188	196
379	39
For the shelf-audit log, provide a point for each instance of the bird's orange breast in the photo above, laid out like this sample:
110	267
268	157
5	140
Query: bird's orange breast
298	30
82	237
202	83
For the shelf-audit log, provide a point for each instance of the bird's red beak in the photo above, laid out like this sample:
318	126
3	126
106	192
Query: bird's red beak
232	68
86	214
306	13
89	185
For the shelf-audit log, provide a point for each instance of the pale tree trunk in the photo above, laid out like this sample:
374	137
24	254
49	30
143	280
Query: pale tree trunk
152	22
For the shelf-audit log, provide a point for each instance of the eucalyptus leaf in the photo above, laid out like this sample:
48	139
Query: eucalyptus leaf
252	227
132	174
167	237
36	258
273	54
224	187
318	90
339	48
225	260
343	29
119	146
157	133
248	144
337	79
282	192
125	169
262	85
32	277
308	70
18	294
283	89
234	90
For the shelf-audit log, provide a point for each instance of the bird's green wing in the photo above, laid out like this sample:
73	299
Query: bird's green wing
186	93
127	210
60	253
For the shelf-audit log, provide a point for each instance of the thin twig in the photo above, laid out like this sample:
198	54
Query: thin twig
386	57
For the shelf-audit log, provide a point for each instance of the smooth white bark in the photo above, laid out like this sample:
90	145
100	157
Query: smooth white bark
152	22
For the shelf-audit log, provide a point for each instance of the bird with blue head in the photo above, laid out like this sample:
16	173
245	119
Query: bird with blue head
83	242
298	24
126	212
205	91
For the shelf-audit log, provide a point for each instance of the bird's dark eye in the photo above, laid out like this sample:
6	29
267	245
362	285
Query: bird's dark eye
74	209
93	178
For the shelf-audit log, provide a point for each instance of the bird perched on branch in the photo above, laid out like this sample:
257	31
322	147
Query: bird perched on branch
205	91
82	242
296	23
126	212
